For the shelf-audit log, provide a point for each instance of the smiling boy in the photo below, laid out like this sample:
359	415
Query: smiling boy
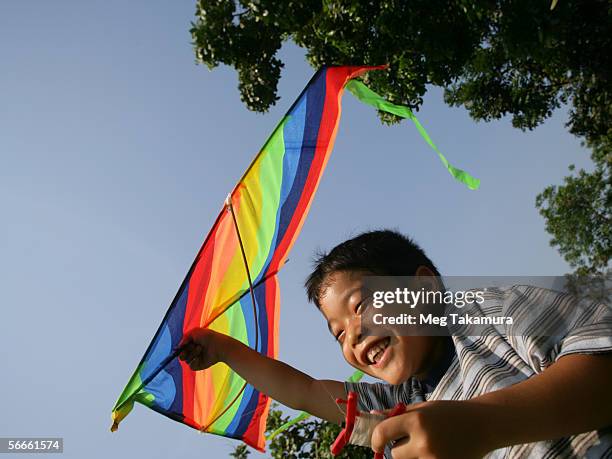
469	396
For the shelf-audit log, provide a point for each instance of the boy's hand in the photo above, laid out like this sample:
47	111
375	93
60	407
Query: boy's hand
201	348
436	429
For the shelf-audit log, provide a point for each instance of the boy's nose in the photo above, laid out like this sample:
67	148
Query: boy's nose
354	331
354	338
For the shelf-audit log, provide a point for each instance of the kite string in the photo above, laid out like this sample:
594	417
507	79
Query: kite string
356	376
230	208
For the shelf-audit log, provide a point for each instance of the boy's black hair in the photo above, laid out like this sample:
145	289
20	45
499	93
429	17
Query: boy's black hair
382	253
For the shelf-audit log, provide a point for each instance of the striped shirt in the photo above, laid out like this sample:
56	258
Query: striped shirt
508	354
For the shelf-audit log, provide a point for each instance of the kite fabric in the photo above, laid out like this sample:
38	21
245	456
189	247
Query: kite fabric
268	207
232	286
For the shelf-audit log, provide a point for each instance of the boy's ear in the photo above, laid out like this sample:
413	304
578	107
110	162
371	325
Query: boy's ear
429	280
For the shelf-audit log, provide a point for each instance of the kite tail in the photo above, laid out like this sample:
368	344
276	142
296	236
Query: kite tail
369	97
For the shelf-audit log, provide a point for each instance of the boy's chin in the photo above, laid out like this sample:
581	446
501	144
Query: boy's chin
390	376
395	379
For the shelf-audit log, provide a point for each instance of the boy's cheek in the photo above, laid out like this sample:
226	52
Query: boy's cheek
401	364
352	360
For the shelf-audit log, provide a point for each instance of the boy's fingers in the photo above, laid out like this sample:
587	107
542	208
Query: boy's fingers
187	338
185	352
197	363
388	430
404	449
189	351
193	362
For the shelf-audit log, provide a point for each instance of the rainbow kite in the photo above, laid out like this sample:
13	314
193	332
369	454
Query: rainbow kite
232	286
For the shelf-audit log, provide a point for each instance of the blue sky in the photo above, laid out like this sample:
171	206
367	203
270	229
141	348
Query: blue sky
117	151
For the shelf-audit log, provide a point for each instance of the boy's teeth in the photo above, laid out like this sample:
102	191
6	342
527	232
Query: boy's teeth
376	352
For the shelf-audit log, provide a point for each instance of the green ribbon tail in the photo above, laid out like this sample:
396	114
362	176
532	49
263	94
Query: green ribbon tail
300	417
355	377
369	97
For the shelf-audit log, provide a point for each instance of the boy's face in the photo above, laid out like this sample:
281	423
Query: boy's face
391	358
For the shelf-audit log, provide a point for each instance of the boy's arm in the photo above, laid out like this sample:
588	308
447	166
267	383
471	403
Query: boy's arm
203	348
571	396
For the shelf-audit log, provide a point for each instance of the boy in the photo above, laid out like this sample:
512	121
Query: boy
467	396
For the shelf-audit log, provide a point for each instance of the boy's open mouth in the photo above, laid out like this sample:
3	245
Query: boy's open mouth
376	350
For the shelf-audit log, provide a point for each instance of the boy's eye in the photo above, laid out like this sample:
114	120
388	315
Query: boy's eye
339	336
361	306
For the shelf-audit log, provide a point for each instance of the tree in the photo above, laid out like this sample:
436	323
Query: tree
310	438
494	57
522	58
578	215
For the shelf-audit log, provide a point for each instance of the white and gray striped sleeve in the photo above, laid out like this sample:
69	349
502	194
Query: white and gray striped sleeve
549	324
591	332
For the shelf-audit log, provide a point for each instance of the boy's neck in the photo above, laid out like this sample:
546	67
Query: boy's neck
442	358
